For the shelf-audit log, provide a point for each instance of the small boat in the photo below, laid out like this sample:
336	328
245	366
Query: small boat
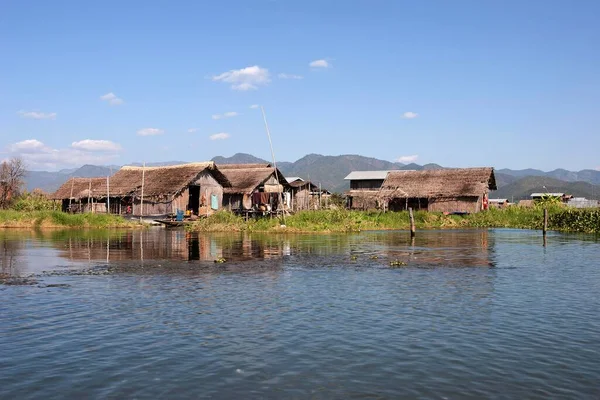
171	223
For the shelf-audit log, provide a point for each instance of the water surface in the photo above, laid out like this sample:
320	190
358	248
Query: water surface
149	314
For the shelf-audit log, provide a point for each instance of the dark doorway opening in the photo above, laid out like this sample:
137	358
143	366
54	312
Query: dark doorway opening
194	199
415	203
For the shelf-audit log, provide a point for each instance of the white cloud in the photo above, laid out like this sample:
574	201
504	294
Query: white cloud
289	76
409	115
229	114
254	106
408	159
319	64
37	155
220	136
27	146
248	78
112	99
96	145
150	131
192	130
37	115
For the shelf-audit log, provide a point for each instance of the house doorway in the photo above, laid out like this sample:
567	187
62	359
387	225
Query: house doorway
402	204
194	199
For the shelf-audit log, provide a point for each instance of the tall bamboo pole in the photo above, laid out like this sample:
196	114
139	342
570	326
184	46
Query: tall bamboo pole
274	162
142	198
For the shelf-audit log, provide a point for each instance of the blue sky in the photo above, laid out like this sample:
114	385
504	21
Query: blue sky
464	83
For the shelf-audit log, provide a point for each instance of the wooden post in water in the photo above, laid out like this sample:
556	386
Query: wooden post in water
412	222
545	227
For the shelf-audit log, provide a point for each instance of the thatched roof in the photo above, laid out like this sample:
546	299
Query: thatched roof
244	179
452	182
79	188
166	180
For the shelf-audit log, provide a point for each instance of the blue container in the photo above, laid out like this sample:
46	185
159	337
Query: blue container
179	216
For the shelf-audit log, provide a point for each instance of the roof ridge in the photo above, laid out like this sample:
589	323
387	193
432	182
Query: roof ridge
205	164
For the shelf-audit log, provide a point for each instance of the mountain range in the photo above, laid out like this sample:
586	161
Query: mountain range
330	172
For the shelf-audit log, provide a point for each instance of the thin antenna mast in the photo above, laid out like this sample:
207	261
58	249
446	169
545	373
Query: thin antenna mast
274	162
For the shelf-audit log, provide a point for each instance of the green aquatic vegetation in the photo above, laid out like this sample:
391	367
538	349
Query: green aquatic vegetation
59	219
342	220
397	263
576	220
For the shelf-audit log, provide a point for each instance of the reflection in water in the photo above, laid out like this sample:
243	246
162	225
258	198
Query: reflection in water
429	248
26	252
433	248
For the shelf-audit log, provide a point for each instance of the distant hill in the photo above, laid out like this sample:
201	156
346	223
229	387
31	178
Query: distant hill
586	175
50	181
522	188
504	179
239	158
330	171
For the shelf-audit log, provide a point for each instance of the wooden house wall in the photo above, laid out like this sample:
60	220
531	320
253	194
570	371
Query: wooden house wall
301	200
271	185
304	199
468	204
209	186
366	202
237	201
232	201
159	205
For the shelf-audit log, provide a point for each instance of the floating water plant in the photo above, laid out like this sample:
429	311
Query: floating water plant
397	263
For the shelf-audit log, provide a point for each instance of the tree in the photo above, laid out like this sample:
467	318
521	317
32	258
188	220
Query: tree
12	178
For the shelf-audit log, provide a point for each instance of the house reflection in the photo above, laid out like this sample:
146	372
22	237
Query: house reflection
474	248
444	248
168	244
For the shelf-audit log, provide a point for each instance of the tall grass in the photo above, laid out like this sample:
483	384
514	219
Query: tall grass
55	219
342	220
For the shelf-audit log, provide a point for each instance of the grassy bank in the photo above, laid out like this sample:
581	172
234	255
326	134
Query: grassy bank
354	221
58	219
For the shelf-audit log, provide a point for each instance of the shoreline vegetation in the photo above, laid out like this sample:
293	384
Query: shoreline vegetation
42	219
328	221
342	220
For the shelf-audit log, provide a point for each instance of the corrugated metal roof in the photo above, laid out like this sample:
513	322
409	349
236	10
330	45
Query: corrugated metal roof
366	175
547	194
291	179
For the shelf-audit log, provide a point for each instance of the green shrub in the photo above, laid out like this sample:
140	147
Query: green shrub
33	201
576	220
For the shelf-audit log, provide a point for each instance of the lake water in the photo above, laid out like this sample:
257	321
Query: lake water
149	314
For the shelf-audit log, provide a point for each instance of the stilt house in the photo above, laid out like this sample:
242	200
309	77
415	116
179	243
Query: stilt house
443	190
364	189
148	191
164	190
306	195
253	186
78	195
